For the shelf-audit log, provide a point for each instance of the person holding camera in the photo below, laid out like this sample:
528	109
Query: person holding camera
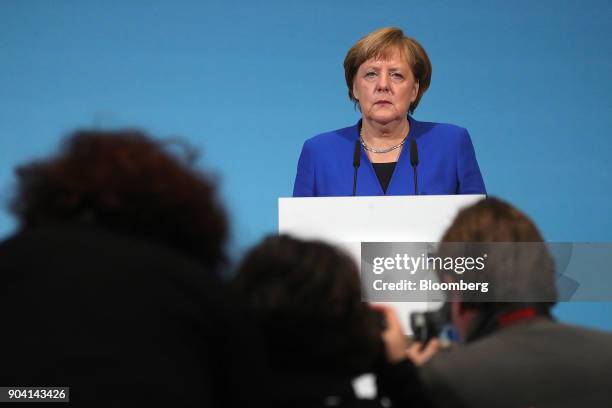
513	353
305	296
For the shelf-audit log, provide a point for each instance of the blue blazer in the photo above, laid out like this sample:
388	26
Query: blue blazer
447	164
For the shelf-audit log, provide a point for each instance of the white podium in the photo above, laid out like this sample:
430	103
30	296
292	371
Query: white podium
349	221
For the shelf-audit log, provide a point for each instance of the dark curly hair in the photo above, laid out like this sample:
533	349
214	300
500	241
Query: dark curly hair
306	297
128	182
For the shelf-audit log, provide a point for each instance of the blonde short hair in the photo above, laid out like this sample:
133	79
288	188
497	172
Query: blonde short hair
375	45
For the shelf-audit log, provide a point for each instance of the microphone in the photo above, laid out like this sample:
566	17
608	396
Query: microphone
414	162
356	164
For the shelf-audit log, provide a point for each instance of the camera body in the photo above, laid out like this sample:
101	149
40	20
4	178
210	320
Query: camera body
428	325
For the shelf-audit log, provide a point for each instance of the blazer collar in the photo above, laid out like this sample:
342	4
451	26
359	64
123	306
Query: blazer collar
414	125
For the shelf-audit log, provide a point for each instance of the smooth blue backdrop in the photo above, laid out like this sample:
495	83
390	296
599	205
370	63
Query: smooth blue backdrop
248	82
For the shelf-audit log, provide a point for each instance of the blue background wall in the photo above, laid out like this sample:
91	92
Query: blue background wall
248	82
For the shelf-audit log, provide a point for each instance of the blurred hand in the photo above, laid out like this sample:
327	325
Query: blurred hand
393	336
419	355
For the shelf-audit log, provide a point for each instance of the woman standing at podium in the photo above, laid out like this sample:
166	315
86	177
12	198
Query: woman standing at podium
388	152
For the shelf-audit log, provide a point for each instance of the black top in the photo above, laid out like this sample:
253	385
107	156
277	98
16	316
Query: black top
384	171
122	321
397	383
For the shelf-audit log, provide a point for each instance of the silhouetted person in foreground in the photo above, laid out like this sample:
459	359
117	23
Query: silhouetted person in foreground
110	284
306	298
513	354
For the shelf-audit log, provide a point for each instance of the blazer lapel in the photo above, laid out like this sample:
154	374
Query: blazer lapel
402	181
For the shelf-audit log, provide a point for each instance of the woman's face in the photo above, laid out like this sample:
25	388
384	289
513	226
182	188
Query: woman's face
385	88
